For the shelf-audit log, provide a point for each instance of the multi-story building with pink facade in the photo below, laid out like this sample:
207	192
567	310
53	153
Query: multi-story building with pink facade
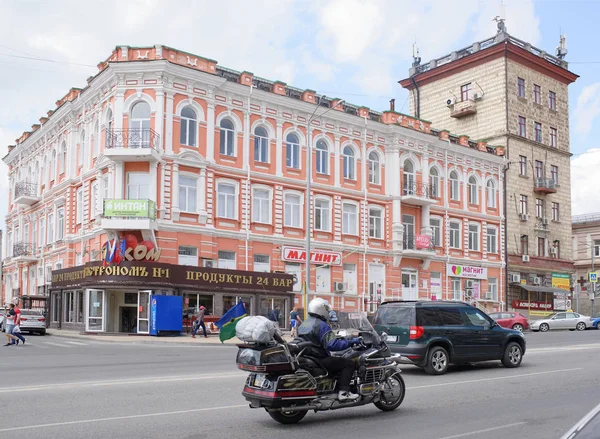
207	165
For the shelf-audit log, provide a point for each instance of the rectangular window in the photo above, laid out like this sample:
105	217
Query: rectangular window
261	206
596	248
521	87
349	219
539	208
524	244
323	278
541	247
552	100
473	191
138	185
554	173
375	223
523	205
350	278
553	138
42	232
187	193
539	169
537	127
436	228
292	155
537	94
454	187
292	214
465	92
522	128
261	146
34	236
492	240
69	306
50	228
555	212
60	224
493	288
261	263
491	194
226	201
188	255
454	235
474	237
522	165
227	260
79	205
456	292
322	221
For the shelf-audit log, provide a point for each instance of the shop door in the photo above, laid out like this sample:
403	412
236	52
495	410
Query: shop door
96	305
143	317
410	290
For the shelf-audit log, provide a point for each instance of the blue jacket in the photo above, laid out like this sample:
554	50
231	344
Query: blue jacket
322	336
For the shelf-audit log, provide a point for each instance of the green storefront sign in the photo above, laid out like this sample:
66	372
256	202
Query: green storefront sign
130	208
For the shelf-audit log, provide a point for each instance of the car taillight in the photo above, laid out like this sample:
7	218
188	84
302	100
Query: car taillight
416	332
23	319
42	320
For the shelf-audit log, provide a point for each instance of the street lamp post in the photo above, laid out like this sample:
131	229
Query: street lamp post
309	196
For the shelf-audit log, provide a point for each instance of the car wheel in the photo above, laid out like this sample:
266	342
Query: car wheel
518	327
544	327
513	355
580	326
437	361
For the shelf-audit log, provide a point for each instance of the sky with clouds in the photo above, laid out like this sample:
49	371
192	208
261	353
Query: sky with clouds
352	49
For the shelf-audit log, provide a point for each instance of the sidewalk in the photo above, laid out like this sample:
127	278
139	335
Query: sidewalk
212	340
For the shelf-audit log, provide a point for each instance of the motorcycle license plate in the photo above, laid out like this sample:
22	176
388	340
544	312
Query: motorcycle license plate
392	338
259	380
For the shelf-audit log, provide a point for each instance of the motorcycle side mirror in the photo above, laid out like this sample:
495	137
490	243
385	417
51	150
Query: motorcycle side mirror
383	335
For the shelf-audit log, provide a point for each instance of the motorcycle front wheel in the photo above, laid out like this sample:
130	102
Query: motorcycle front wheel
392	394
288	417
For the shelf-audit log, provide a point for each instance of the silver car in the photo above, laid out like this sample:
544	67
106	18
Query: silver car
562	320
33	321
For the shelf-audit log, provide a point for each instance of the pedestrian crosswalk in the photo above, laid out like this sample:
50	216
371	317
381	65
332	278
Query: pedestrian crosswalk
40	343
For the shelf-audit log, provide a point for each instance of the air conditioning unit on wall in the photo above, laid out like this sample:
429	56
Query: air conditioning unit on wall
525	258
535	280
340	287
469	284
515	278
450	101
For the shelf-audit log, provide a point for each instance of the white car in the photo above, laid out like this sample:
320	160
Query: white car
562	320
33	321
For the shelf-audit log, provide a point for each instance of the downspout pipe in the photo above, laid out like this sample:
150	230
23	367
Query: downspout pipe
446	224
365	218
418	106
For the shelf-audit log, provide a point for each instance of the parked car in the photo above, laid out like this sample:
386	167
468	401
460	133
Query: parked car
562	320
512	320
588	427
431	335
33	322
596	322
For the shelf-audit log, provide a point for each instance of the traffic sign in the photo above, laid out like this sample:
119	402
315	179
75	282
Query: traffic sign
593	276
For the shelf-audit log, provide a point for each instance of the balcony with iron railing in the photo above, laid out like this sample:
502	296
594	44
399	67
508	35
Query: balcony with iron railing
26	193
544	186
129	215
24	251
417	194
130	145
417	246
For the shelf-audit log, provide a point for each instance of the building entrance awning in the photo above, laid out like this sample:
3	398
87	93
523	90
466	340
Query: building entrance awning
536	289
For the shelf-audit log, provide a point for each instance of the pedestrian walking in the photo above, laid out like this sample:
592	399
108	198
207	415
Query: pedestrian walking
17	329
10	325
295	321
274	315
199	322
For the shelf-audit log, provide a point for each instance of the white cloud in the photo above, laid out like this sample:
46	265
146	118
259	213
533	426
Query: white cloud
584	182
587	109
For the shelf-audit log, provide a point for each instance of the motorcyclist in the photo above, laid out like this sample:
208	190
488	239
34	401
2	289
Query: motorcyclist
316	329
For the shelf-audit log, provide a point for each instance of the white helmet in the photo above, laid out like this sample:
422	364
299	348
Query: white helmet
319	308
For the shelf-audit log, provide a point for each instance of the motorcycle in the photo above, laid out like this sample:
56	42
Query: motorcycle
287	382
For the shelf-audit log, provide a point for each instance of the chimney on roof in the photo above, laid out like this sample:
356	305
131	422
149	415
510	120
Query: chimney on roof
393	105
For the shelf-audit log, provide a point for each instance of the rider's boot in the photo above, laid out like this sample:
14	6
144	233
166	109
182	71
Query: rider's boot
345	395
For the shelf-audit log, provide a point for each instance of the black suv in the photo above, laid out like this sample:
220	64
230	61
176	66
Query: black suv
434	334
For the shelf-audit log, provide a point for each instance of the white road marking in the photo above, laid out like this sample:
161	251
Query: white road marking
77	343
485	430
119	418
37	346
505	377
579	347
58	344
119	382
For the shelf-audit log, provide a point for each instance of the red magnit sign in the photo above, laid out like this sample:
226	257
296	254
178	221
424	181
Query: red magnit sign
295	254
524	304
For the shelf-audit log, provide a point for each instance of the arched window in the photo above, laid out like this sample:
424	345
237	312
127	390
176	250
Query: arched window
227	137
322	157
53	165
261	145
473	199
292	151
374	168
63	157
349	163
82	148
96	145
188	127
410	183
454	186
139	124
434	182
491	194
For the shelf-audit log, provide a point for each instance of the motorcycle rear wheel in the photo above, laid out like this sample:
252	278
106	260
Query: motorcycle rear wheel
288	417
392	395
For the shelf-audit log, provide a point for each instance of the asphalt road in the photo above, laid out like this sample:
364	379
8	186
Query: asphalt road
54	387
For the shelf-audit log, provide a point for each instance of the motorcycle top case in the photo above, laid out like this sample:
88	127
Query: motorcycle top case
263	358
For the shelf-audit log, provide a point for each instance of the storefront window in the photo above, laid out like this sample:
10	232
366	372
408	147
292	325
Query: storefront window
69	307
231	301
55	307
79	295
193	301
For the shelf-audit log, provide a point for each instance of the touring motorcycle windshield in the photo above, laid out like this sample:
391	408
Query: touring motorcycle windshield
352	322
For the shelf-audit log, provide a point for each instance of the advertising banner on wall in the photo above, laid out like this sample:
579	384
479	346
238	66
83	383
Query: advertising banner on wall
295	254
524	304
466	271
562	281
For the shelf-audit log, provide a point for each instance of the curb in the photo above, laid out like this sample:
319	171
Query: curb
163	343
